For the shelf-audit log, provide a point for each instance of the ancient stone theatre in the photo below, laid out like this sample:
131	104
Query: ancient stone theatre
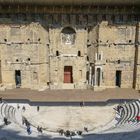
70	44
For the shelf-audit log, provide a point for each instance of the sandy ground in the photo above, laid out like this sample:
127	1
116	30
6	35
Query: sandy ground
70	95
69	117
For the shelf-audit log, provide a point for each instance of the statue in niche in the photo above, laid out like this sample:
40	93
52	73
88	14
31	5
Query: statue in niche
69	39
68	35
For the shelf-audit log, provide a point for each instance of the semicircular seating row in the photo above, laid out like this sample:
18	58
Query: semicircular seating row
8	112
129	112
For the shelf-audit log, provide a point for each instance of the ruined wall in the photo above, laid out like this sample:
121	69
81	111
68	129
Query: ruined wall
68	56
92	44
38	47
24	48
117	46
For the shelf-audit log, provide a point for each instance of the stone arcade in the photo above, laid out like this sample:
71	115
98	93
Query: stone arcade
69	44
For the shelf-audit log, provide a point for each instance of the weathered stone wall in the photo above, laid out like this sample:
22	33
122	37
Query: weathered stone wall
92	44
68	56
99	46
24	48
117	47
137	57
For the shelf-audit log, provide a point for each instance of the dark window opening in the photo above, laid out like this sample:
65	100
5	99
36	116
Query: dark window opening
118	78
119	61
5	40
17	60
28	59
57	53
79	53
87	58
97	40
87	75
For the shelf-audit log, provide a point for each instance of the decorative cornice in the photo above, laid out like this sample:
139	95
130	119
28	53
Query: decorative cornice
71	2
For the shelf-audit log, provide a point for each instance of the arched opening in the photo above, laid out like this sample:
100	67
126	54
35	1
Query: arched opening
68	35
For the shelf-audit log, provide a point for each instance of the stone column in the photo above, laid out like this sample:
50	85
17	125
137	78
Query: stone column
95	76
90	75
92	80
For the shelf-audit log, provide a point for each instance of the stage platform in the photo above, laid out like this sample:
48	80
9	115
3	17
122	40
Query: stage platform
70	95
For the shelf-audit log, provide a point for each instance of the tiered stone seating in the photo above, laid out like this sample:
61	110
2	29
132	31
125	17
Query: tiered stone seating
9	112
129	112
